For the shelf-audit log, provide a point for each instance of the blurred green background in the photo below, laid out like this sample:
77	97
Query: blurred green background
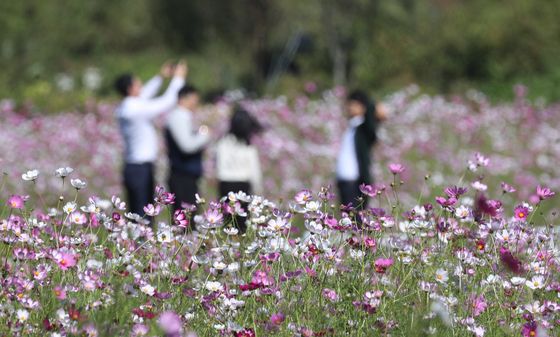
57	53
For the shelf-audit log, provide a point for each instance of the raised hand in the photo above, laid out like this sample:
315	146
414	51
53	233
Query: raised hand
166	69
181	69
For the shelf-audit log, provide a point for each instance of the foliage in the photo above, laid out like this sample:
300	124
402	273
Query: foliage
381	45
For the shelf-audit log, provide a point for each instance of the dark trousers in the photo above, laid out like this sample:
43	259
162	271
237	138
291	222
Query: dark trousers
349	192
184	186
139	185
236	186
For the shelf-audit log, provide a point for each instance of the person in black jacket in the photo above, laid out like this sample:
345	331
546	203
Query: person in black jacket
354	158
185	146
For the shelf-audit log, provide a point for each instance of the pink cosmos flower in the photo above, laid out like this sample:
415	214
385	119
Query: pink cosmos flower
330	294
213	217
152	210
368	190
246	332
446	202
163	197
65	260
396	168
16	201
261	278
507	188
78	218
140	330
381	264
170	323
370	243
544	193
455	191
180	218
60	293
310	87
478	305
302	197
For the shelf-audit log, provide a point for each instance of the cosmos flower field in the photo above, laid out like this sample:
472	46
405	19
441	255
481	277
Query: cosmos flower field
459	237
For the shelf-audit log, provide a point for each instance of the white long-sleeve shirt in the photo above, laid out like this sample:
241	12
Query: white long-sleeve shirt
347	162
135	116
237	162
179	123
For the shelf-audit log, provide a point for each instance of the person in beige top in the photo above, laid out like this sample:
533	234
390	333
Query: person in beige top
237	160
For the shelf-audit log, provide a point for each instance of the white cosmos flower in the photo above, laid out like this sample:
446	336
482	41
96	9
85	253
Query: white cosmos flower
233	267
94	264
516	280
387	222
69	207
148	290
22	315
441	275
278	224
165	236
504	235
78	183
462	212
314	227
477	185
312	206
214	286
30	175
63	172
537	282
534	308
118	203
231	231
219	265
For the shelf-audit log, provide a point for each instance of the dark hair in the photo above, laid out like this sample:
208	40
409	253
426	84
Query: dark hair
186	90
363	98
123	83
243	126
360	97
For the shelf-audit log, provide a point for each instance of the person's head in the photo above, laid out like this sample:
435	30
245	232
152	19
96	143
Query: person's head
128	85
243	126
358	104
188	97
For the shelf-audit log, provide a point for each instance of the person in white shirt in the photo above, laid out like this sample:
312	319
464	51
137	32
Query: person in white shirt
135	115
185	146
354	158
238	164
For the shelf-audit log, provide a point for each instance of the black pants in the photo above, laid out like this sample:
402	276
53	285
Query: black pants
184	186
139	185
236	186
349	192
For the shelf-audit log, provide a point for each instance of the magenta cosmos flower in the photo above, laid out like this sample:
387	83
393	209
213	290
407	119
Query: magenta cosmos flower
368	190
521	212
277	319
382	264
396	168
180	218
510	261
16	201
